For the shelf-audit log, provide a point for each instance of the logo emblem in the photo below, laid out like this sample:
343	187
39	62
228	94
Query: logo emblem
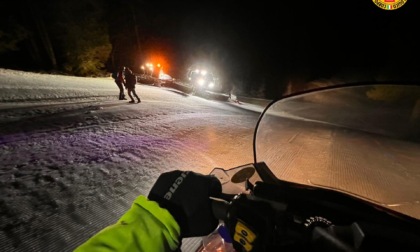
389	4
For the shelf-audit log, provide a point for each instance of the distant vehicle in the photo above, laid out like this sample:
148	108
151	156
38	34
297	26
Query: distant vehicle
165	79
146	79
201	80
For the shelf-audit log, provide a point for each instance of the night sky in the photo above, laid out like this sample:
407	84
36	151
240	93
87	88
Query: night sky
296	39
270	41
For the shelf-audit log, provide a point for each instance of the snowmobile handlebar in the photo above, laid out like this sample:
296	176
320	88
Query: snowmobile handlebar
261	224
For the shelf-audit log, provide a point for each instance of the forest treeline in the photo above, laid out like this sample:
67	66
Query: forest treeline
82	38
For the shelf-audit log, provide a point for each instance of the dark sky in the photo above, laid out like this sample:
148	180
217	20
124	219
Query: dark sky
254	42
306	39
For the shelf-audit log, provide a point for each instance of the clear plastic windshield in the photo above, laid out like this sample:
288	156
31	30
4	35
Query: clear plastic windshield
362	140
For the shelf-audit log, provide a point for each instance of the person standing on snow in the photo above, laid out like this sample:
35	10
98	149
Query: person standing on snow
160	221
130	84
119	80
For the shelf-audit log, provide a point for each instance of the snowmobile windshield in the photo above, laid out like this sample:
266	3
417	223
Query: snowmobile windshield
363	140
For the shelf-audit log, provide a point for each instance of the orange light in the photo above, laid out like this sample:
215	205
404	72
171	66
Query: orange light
159	60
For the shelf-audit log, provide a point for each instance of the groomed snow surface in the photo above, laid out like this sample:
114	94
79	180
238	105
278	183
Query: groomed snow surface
73	157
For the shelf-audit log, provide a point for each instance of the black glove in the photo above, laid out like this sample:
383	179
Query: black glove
185	194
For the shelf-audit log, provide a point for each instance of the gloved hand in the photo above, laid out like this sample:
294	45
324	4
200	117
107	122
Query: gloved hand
185	194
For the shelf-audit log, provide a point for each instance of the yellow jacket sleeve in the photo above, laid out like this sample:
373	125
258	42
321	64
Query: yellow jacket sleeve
145	227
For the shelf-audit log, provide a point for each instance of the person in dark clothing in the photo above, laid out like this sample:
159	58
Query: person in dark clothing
119	80
130	84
